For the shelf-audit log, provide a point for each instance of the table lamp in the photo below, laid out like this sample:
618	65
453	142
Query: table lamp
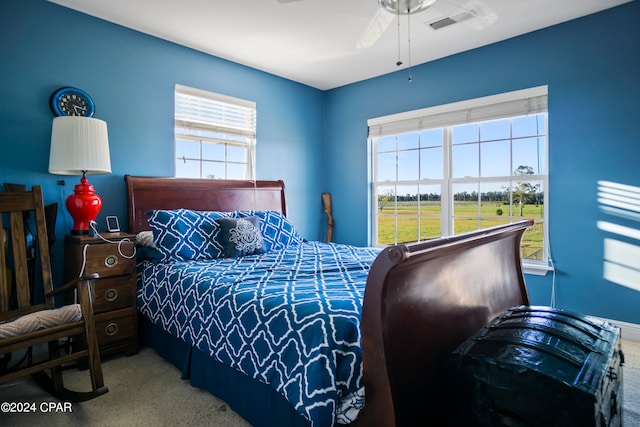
80	146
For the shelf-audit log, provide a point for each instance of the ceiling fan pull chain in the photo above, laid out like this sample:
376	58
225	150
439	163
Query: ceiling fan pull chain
399	62
409	46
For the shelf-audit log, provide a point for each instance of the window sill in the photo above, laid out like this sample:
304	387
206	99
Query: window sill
536	269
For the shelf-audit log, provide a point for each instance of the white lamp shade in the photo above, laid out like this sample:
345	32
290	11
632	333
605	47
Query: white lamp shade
79	145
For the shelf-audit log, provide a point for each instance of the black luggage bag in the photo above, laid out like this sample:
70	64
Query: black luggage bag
539	366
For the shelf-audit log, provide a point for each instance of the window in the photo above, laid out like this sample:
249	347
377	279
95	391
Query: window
215	135
461	167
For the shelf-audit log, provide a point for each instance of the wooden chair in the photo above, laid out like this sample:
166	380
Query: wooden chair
68	331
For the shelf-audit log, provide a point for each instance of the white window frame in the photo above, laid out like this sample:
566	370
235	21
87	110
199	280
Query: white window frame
501	106
232	120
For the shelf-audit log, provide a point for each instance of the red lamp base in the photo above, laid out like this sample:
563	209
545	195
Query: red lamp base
83	205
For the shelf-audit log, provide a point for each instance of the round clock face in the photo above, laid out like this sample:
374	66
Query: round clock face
69	101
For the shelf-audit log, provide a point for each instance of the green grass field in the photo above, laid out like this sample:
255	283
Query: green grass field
465	219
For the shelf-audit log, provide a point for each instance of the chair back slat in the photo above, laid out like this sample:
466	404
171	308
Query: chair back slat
42	242
20	268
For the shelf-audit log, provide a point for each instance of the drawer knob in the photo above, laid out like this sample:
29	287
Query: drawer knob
111	261
111	295
111	329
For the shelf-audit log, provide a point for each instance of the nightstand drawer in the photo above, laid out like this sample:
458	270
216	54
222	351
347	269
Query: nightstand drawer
114	293
116	326
107	261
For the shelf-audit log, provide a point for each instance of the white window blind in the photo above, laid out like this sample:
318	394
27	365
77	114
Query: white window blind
205	111
517	103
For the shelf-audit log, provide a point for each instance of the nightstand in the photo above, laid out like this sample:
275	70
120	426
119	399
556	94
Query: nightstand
114	292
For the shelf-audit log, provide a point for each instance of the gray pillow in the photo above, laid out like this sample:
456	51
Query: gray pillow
241	236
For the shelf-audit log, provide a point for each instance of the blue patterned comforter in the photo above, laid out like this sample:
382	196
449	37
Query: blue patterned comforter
289	318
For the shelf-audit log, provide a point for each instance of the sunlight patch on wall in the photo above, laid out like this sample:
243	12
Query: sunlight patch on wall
622	263
619	199
619	229
621	259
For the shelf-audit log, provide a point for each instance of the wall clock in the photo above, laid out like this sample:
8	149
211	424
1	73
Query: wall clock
70	101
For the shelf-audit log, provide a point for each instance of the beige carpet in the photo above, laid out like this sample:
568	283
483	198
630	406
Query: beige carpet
145	390
631	383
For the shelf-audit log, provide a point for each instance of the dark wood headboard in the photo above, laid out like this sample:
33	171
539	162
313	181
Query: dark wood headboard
420	303
146	193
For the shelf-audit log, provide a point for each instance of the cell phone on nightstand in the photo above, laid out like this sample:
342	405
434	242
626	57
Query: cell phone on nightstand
112	224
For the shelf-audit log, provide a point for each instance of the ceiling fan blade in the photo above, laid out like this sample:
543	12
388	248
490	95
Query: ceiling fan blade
481	16
378	25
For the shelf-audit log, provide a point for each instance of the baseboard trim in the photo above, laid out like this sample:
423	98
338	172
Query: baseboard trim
629	331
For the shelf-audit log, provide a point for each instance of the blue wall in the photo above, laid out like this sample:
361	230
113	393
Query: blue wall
592	76
592	68
131	78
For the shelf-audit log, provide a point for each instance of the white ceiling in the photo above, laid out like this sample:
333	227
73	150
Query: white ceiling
314	41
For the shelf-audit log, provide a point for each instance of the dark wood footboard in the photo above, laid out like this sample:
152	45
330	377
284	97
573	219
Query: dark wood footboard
420	303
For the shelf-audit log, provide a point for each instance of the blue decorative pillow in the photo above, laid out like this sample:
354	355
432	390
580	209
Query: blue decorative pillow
241	236
277	230
182	234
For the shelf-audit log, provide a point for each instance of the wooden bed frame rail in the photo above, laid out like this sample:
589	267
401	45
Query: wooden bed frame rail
420	303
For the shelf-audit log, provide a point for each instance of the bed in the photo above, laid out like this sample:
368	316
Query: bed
309	333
